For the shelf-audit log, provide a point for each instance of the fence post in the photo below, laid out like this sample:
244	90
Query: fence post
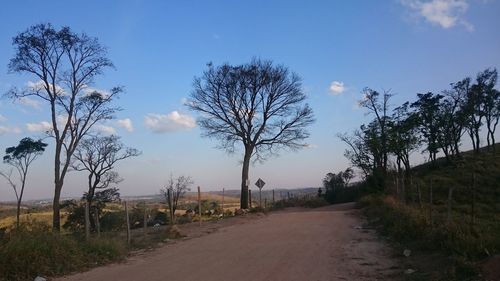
273	196
431	201
199	204
87	220
97	223
171	206
128	223
145	226
473	215
223	203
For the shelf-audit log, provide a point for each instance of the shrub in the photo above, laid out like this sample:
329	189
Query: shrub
113	221
33	250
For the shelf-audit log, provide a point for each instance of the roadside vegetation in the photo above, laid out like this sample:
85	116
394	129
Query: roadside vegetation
443	214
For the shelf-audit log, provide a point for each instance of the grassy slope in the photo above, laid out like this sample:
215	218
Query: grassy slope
448	250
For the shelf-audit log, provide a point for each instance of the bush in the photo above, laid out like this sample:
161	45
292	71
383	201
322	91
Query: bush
113	221
33	250
409	226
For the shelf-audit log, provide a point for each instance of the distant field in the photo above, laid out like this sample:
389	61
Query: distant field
4	207
211	197
8	215
39	216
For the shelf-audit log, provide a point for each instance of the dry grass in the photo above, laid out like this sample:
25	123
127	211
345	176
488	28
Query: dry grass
39	216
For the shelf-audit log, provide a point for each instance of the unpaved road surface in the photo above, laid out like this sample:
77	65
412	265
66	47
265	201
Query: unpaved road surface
296	244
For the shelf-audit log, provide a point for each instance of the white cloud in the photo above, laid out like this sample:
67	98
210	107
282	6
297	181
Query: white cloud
40	85
126	124
40	127
337	88
108	130
30	102
445	13
9	129
3	118
174	121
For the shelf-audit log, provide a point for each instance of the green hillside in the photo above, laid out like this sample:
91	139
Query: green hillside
450	216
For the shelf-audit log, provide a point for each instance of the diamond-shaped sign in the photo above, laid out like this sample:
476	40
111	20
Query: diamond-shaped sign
260	183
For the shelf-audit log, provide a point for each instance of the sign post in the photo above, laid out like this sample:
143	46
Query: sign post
260	184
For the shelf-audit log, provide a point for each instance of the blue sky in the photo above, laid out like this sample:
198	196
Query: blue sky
158	47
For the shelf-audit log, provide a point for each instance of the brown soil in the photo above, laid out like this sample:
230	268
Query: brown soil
327	243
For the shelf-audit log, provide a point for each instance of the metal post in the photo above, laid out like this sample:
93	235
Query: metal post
260	197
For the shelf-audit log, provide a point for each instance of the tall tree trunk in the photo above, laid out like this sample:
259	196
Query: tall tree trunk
20	198
58	182
18	212
477	140
244	178
488	143
457	149
493	141
56	208
473	140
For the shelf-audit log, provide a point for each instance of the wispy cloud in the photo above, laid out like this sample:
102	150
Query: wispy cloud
26	101
174	121
107	130
444	13
40	86
40	127
337	88
9	129
126	124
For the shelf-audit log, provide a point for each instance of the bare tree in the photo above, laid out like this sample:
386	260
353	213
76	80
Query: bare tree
98	155
65	64
20	157
380	108
358	151
258	105
174	190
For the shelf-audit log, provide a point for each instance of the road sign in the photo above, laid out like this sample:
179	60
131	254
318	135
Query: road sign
260	183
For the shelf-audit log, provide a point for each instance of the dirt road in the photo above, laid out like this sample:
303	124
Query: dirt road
319	244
